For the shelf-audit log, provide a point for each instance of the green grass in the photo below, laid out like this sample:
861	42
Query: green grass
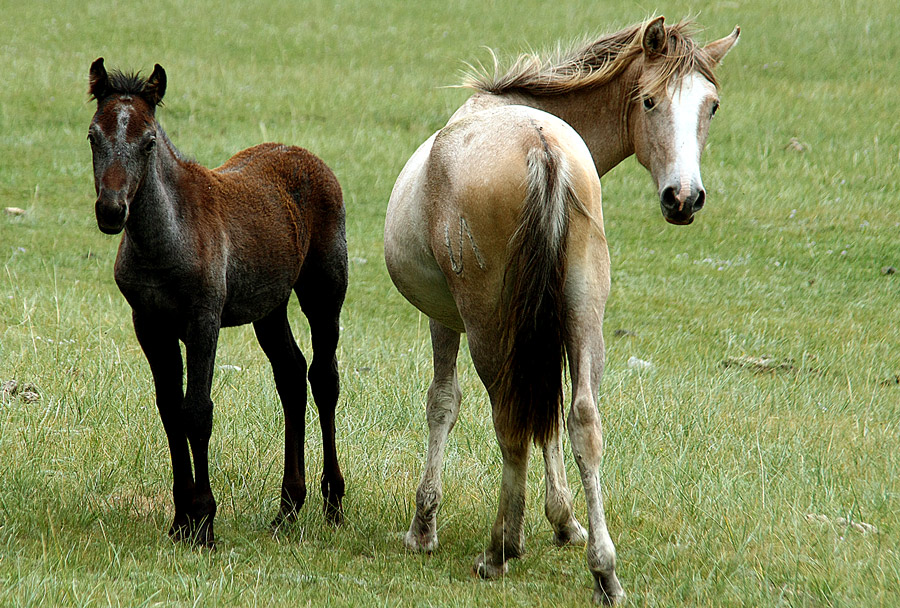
709	471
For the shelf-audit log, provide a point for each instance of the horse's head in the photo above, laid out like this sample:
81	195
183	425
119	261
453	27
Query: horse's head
123	139
676	99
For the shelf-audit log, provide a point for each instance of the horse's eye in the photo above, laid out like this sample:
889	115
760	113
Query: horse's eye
649	104
715	108
149	144
91	138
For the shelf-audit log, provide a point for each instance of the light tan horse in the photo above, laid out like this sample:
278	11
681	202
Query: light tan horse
495	228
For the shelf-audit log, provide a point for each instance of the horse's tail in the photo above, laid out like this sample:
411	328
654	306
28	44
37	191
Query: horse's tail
529	388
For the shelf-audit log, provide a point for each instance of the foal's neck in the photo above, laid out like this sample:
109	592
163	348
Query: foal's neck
155	227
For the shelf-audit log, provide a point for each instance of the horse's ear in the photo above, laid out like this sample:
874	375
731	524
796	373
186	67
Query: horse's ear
156	85
655	41
98	80
719	48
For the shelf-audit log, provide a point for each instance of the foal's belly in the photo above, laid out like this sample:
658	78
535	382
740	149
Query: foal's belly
254	306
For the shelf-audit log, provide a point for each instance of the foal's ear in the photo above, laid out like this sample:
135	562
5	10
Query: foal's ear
655	41
719	48
156	85
98	80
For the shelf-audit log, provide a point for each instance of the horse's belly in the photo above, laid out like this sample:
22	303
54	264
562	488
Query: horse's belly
410	261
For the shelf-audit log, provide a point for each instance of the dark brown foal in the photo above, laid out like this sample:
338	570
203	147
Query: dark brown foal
204	249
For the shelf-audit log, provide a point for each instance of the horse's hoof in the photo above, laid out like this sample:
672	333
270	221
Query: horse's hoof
334	513
572	534
420	544
487	570
180	530
608	591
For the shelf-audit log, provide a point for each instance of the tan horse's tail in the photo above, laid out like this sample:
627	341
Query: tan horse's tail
529	388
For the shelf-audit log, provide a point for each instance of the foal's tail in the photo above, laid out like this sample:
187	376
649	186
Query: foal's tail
533	304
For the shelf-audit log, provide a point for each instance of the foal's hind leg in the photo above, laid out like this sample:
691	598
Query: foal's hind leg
558	498
289	368
442	410
321	289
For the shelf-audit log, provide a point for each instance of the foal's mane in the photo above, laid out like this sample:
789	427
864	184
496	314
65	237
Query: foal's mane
595	63
126	83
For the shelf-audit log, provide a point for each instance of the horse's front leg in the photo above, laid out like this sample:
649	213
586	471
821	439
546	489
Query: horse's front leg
442	411
200	340
160	345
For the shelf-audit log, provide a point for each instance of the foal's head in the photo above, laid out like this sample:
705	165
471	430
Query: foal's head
123	138
677	98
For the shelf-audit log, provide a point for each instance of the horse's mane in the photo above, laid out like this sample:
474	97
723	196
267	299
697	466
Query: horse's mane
595	63
126	83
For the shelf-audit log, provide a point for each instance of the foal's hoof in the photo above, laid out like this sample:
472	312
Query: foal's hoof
332	501
608	591
200	535
487	570
283	519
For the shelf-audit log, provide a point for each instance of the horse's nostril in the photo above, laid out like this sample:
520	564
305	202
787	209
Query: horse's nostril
668	199
701	200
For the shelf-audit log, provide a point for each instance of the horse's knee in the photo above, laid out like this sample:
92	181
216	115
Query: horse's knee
325	382
585	430
198	416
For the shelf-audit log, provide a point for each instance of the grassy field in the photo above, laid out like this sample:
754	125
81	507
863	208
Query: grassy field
710	471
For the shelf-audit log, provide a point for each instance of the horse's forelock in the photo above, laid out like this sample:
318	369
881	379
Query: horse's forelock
129	83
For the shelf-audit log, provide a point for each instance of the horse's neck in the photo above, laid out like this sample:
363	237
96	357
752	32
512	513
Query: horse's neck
600	116
155	227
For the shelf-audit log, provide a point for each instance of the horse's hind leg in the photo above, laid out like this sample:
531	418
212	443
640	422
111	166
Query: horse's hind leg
586	358
289	368
508	533
507	539
558	498
321	289
442	411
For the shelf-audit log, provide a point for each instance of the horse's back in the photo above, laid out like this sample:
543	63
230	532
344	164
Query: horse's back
305	175
458	201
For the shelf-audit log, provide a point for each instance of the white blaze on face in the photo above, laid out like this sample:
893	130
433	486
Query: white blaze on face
123	117
686	103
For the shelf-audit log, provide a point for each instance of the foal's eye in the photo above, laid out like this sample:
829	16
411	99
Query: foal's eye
649	104
149	144
91	138
715	108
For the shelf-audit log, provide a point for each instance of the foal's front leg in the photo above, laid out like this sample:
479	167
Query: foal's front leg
197	415
160	345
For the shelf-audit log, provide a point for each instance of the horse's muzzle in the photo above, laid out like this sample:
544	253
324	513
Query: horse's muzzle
679	209
111	212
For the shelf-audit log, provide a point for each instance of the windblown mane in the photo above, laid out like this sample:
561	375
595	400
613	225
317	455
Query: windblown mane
126	83
594	63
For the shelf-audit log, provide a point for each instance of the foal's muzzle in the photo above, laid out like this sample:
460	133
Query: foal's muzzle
111	210
679	207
